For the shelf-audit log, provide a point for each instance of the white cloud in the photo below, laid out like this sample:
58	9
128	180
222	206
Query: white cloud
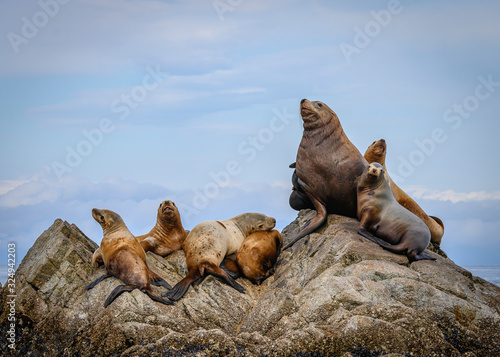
420	192
9	185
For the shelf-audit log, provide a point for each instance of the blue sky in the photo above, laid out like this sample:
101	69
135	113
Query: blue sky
126	103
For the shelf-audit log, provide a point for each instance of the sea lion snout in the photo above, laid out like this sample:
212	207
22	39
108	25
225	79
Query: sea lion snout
167	206
97	214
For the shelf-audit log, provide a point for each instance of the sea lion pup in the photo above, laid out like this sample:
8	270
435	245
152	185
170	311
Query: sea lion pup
376	152
124	258
258	255
326	169
384	221
210	242
168	234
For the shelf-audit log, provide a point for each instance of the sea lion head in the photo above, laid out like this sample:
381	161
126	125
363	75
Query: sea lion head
315	114
376	152
167	210
253	222
109	220
373	174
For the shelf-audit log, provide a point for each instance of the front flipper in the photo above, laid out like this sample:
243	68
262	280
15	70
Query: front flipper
97	281
397	249
316	222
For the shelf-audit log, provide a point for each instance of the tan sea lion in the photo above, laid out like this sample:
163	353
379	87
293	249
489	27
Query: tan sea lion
258	255
376	152
327	167
210	242
168	234
384	221
124	258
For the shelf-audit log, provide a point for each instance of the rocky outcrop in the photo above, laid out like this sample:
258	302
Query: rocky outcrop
334	293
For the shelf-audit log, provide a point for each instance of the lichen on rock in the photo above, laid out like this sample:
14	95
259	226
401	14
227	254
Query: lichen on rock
333	293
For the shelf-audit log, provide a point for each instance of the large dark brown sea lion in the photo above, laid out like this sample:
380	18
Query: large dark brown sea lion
124	258
168	234
376	152
327	168
384	221
210	242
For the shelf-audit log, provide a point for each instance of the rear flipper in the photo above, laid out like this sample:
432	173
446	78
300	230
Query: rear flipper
316	222
220	273
159	299
422	256
157	280
182	286
97	281
117	292
397	249
230	266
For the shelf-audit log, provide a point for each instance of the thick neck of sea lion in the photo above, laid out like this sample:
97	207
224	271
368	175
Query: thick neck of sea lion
165	226
242	223
319	131
117	226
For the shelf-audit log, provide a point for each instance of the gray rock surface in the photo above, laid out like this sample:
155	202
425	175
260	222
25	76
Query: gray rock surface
334	293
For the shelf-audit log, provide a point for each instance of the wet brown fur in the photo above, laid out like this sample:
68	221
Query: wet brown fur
258	255
327	168
384	221
210	242
376	152
123	257
168	234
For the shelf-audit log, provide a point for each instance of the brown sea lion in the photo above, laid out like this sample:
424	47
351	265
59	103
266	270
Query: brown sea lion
124	259
384	221
168	234
376	152
210	242
327	168
258	255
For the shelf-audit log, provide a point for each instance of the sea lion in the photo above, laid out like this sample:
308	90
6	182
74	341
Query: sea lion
168	234
258	255
376	152
210	242
326	169
124	259
384	221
